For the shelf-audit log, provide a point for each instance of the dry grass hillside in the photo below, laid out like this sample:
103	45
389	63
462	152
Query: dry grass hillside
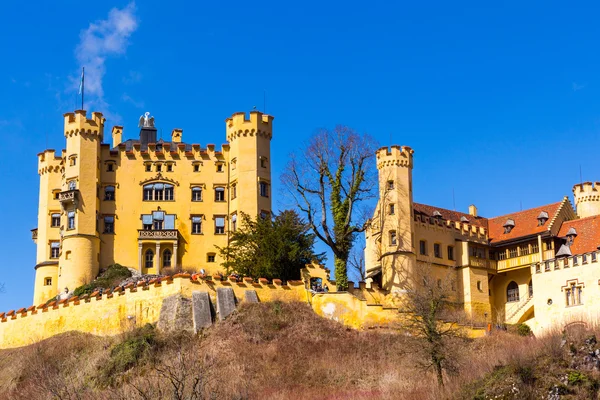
284	351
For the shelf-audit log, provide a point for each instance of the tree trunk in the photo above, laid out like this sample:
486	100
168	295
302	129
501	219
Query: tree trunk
439	372
341	273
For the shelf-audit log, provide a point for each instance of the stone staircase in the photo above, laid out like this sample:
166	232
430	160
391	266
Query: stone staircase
514	314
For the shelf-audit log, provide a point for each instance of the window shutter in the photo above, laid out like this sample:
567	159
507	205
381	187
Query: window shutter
170	221
220	221
55	245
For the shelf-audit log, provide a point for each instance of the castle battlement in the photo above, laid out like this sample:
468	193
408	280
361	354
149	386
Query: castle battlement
77	122
258	124
394	156
48	161
463	228
586	191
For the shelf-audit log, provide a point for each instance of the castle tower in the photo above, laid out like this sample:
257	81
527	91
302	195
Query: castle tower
47	233
587	199
249	164
79	258
390	238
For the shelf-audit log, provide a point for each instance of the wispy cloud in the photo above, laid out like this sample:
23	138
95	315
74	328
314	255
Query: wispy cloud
126	98
103	39
132	77
578	86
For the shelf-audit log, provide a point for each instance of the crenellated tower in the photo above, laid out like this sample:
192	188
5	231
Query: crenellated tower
587	199
79	258
249	163
390	237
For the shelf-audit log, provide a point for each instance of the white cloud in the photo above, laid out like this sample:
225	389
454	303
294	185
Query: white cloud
127	98
132	77
103	39
577	86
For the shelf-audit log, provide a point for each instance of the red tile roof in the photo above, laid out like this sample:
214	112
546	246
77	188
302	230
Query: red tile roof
526	223
449	215
588	234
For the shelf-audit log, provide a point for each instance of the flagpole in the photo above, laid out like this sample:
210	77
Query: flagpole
82	85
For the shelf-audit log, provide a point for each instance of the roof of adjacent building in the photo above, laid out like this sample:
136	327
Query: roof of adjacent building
449	215
588	234
525	223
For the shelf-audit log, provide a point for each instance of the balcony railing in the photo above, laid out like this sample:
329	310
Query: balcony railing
520	261
69	197
172	234
482	263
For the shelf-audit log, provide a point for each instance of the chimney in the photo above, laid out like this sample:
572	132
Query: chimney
117	135
176	135
472	210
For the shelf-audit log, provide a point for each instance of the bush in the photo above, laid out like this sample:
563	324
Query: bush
523	330
108	279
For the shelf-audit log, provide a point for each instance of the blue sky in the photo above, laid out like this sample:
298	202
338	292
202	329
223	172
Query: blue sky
501	103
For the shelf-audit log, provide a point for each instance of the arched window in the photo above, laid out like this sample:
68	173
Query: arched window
159	192
166	258
530	288
196	193
149	259
512	292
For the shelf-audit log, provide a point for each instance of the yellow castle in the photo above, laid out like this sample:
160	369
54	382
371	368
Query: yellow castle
539	266
144	203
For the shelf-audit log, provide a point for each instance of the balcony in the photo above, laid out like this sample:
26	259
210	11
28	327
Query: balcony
163	234
69	198
34	233
518	262
482	263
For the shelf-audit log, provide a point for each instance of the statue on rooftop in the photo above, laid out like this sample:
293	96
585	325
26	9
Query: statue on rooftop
146	121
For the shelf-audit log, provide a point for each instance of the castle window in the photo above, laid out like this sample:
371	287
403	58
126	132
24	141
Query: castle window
584	259
210	257
166	258
263	162
264	189
594	257
233	191
196	167
392	209
393	238
479	286
437	250
72	161
219	194
423	247
573	295
234	222
148	167
47	281
234	164
169	167
158	167
219	167
512	292
264	214
54	249
109	193
159	192
56	194
219	225
390	185
72	185
149	259
197	225
196	193
109	224
575	260
110	167
451	253
71	220
55	220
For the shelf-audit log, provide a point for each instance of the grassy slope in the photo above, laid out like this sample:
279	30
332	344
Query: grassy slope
282	351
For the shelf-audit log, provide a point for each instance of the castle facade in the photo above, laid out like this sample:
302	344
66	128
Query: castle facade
540	266
144	203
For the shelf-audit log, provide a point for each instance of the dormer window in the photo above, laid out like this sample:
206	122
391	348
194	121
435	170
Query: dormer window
437	214
571	235
542	218
508	225
464	219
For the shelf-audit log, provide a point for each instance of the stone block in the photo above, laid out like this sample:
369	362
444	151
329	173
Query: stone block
175	314
250	296
202	310
225	302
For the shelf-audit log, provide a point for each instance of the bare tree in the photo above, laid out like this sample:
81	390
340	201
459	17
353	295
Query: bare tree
430	313
329	182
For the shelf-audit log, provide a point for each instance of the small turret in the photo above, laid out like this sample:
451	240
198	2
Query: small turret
176	135
117	135
587	199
